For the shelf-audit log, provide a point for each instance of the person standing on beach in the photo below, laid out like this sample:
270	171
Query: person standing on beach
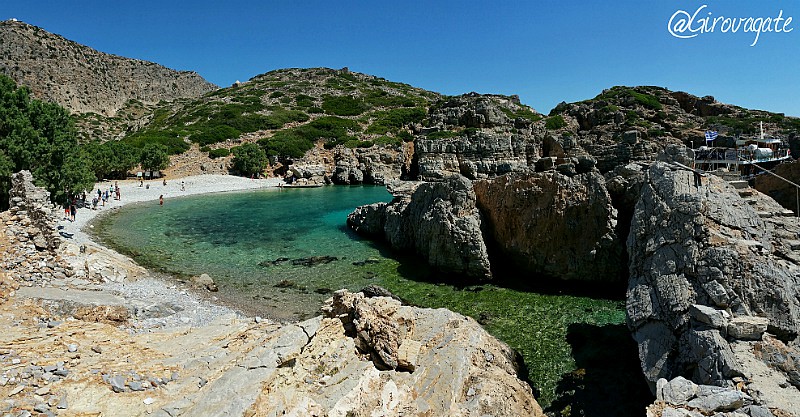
72	210
183	186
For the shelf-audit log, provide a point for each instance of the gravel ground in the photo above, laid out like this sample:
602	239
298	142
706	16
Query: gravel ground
158	301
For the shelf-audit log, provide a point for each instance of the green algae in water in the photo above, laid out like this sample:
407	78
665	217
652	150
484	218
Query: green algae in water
247	241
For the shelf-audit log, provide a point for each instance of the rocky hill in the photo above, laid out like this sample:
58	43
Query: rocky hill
84	80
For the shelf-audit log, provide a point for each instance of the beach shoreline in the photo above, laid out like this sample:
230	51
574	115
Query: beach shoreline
121	275
151	190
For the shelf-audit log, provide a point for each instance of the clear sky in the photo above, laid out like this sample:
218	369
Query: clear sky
544	51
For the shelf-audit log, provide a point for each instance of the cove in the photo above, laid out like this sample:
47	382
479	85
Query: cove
257	246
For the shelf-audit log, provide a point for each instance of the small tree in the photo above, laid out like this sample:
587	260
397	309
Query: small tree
249	159
154	157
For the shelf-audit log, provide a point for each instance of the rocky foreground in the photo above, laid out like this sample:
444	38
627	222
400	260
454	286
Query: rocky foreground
86	332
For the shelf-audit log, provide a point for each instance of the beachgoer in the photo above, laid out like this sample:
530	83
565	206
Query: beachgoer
698	182
66	211
147	186
183	186
165	182
141	183
72	210
94	203
161	200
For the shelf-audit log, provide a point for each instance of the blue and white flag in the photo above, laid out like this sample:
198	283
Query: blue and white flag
711	135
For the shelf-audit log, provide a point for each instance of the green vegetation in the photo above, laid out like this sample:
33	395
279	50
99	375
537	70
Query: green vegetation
343	105
521	113
404	135
111	160
39	137
443	134
646	100
249	159
154	157
555	122
170	139
218	153
391	120
387	141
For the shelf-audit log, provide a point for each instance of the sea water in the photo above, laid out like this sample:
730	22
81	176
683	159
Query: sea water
256	245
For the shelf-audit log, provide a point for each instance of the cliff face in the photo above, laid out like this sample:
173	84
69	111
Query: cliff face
477	136
526	212
709	275
84	80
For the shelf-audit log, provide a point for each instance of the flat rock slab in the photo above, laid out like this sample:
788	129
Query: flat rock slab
79	297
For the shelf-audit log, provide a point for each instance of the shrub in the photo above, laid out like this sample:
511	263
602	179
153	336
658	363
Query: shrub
276	94
302	100
387	141
391	120
154	157
171	139
646	100
343	105
287	144
215	134
355	143
443	134
404	135
219	153
249	159
555	122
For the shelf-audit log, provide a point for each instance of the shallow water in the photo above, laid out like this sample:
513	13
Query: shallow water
240	238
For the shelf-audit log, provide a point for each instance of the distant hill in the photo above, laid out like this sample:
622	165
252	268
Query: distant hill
84	80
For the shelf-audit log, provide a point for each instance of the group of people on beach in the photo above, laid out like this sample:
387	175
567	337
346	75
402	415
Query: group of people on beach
102	196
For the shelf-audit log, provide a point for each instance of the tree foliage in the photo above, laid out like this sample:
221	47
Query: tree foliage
154	157
39	137
112	159
249	159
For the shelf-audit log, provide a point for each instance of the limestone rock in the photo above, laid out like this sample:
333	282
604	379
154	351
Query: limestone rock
717	319
438	221
552	224
701	246
477	136
747	328
205	281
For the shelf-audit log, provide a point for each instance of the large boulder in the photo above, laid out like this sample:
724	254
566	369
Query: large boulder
553	224
706	246
439	221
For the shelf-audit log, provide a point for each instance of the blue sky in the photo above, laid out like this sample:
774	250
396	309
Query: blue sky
544	51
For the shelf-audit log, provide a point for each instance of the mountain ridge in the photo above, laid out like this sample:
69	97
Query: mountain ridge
83	79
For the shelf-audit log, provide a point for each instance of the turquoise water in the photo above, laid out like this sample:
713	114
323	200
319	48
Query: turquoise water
570	343
240	239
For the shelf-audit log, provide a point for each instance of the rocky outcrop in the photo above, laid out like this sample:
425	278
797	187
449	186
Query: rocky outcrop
705	277
477	136
84	80
375	165
552	224
439	221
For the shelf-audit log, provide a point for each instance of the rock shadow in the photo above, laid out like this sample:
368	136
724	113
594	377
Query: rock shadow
608	380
